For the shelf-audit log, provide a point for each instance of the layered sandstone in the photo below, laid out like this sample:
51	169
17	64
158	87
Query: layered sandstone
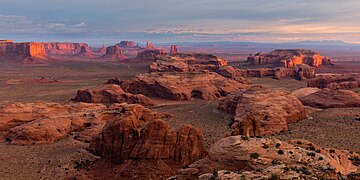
39	123
182	86
111	94
26	53
85	52
262	112
65	48
181	62
148	55
113	53
343	81
143	135
289	58
269	158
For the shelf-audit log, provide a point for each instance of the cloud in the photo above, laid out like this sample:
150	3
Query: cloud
80	25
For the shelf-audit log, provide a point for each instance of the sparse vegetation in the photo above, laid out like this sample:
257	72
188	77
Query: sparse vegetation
215	173
280	152
265	146
274	177
254	155
244	138
277	145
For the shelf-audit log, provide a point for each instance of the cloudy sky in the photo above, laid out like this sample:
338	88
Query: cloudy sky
109	21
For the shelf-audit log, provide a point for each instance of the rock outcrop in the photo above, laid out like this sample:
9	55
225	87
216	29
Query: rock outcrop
102	49
182	86
269	158
328	98
111	94
187	63
113	53
150	46
289	58
173	50
143	135
65	48
85	52
126	44
338	91
39	123
344	81
148	55
25	53
262	112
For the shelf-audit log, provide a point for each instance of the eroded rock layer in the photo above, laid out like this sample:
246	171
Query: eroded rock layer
113	53
26	53
182	86
265	158
262	112
289	58
111	94
143	135
65	48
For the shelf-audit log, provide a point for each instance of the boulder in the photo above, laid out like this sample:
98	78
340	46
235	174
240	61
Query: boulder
143	135
289	58
182	86
328	98
269	158
113	53
111	94
262	112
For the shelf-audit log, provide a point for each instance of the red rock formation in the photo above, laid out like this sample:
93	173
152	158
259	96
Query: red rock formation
111	94
344	81
181	62
143	136
39	123
148	55
328	98
150	46
297	159
102	49
113	53
126	44
84	52
26	53
289	58
64	48
173	49
5	41
182	86
262	112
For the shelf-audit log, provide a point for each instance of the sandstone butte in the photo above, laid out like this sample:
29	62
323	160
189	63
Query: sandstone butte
113	53
137	136
182	86
65	48
25	53
289	58
336	91
264	112
102	49
240	157
40	123
111	94
85	52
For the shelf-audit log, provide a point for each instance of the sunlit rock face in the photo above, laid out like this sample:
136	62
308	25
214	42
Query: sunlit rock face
289	58
26	52
64	48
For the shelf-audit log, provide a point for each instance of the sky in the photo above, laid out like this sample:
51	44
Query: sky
110	21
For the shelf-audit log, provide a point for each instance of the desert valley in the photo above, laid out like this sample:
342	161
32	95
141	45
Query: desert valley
70	111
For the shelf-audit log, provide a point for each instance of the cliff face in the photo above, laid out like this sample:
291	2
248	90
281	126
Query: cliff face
65	48
289	58
27	52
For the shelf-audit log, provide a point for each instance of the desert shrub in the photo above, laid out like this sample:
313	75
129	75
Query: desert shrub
215	173
254	155
274	177
311	154
277	145
280	152
244	138
265	146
